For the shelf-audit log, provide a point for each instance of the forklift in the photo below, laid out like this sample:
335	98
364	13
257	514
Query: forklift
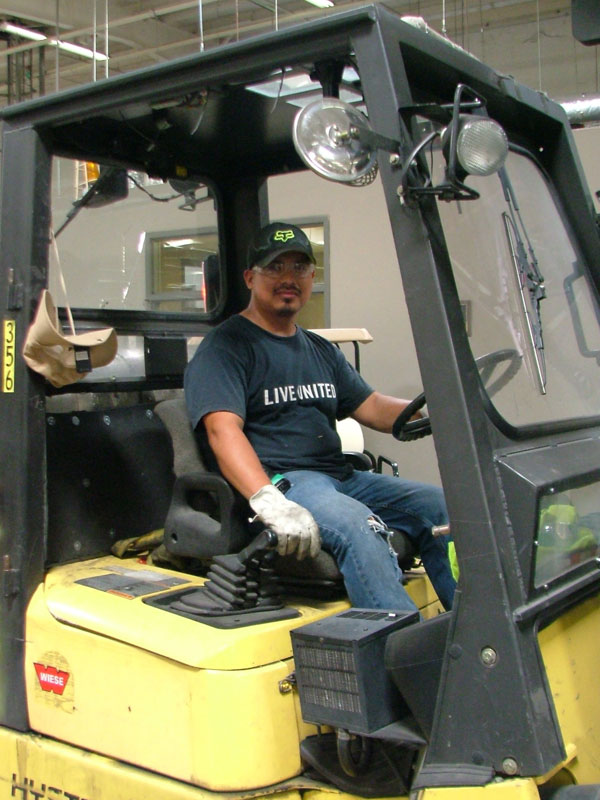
204	670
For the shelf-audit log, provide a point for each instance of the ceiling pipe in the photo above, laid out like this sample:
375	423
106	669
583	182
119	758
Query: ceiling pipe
581	111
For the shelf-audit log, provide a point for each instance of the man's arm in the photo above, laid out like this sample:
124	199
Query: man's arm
296	530
379	411
235	455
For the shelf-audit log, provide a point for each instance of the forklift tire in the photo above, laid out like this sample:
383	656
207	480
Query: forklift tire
354	752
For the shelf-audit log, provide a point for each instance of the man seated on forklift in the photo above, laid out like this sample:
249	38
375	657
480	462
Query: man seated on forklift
263	395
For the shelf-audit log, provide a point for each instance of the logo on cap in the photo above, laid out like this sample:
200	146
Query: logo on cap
283	236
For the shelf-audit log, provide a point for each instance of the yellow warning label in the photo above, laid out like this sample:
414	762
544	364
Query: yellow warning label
8	356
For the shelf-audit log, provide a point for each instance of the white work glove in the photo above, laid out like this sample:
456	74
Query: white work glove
295	527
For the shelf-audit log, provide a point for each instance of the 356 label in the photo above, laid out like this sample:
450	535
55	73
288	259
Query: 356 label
8	355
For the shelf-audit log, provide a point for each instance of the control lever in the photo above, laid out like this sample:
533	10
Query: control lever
237	582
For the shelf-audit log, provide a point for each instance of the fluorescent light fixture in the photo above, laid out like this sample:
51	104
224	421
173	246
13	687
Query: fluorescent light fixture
299	89
347	95
301	83
36	36
290	85
321	3
179	242
17	30
78	50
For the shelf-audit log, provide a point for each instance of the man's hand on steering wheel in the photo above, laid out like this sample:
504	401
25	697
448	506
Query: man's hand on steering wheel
406	429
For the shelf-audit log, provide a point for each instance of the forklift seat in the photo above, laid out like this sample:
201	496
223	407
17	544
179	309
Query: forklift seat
207	517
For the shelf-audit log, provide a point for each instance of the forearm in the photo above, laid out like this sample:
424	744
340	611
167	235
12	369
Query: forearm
379	411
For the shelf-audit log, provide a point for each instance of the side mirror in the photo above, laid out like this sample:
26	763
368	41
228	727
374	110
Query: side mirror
112	185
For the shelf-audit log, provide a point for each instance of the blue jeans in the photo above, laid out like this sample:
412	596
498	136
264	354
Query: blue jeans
345	510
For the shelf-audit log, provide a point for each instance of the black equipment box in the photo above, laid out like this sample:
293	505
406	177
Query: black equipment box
340	670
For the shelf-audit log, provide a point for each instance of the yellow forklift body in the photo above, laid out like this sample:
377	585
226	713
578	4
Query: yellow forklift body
521	788
108	672
199	703
570	649
35	766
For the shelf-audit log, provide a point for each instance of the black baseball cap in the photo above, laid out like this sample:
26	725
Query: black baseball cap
276	239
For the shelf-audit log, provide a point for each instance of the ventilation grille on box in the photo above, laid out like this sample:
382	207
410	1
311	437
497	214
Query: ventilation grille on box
374	615
328	677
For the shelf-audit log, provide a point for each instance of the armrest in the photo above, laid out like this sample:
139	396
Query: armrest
197	534
381	460
362	461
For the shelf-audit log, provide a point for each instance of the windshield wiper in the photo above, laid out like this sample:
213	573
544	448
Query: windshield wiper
529	278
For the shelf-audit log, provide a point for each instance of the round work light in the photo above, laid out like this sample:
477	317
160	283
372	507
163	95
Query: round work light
481	145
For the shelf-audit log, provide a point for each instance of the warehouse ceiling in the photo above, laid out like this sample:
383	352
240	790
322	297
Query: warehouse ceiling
529	39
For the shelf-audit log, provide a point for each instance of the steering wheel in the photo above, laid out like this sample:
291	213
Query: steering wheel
406	430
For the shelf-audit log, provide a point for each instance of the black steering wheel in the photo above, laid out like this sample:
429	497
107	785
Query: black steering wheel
406	430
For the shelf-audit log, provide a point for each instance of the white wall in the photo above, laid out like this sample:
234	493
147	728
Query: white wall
588	145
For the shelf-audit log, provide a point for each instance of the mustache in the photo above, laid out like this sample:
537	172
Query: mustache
287	287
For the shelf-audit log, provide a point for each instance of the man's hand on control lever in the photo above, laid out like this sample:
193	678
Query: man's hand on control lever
295	527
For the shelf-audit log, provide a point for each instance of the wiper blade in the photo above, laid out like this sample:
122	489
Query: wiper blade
529	278
531	293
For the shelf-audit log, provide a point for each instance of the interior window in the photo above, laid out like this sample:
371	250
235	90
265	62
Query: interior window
183	271
138	244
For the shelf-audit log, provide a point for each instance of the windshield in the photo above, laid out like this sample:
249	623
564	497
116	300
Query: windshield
524	291
140	245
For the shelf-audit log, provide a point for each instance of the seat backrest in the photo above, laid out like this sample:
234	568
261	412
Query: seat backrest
192	532
206	517
186	456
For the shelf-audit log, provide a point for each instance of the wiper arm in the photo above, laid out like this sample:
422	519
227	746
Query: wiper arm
529	278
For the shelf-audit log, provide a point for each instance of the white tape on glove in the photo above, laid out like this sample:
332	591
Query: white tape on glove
297	532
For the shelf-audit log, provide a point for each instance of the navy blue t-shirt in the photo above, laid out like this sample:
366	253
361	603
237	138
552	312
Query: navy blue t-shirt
288	390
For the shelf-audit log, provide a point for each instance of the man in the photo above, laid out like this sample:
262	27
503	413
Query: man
264	395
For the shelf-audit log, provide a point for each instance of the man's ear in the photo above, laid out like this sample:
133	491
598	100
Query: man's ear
249	278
